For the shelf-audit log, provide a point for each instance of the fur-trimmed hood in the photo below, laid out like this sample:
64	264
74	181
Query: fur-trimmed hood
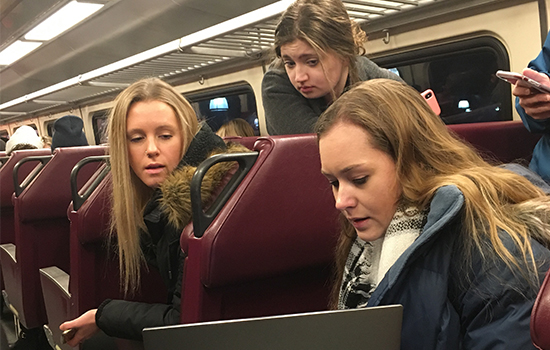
175	202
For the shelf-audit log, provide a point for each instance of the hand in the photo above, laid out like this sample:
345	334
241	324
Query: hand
535	103
84	325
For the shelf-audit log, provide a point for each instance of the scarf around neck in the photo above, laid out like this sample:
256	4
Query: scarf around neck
368	262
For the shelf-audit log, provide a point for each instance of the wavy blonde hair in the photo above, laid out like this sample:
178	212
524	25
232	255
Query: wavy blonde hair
428	156
326	26
130	194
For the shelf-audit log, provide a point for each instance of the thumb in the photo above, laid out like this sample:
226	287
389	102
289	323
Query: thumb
540	77
66	325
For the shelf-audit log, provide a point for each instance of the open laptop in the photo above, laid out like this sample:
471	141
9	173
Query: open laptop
375	328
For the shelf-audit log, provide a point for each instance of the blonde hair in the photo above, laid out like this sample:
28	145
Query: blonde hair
428	156
326	26
235	127
130	194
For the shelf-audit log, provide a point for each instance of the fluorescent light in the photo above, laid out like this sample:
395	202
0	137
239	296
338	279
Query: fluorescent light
17	50
66	17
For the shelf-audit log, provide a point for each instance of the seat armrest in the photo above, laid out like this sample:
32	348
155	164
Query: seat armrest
9	248
58	277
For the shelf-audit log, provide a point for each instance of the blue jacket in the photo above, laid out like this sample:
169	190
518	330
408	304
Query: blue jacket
540	163
442	307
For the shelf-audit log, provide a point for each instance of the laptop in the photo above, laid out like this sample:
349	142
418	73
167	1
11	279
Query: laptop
375	328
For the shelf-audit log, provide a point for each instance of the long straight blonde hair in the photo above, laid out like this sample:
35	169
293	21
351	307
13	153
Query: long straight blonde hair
130	194
427	157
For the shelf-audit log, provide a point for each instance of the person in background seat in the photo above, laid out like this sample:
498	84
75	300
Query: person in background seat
25	137
235	127
428	224
319	56
155	144
68	131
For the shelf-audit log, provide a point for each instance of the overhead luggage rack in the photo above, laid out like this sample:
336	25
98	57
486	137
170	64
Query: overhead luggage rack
236	41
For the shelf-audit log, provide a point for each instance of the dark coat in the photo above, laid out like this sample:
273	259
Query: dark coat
448	305
166	214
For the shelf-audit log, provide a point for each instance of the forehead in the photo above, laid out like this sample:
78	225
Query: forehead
297	47
347	144
151	113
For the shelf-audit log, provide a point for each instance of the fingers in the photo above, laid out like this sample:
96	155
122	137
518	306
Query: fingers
540	77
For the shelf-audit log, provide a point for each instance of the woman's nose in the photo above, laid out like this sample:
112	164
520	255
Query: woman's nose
344	199
152	149
301	74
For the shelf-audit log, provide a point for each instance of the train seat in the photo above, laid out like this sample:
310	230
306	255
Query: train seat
505	141
6	191
540	317
41	232
248	141
93	273
270	248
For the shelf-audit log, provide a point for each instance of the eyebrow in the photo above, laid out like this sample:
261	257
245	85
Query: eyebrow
305	55
345	170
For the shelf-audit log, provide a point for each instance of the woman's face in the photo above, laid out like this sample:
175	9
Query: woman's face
155	141
306	73
364	179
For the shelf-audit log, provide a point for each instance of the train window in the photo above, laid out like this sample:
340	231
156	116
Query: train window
217	107
49	127
462	76
4	135
99	123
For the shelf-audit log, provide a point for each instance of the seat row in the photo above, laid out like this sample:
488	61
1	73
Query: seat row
265	247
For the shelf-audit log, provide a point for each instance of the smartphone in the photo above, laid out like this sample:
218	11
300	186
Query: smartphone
513	78
67	335
429	96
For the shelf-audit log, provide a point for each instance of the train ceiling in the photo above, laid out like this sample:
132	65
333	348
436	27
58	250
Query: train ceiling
120	44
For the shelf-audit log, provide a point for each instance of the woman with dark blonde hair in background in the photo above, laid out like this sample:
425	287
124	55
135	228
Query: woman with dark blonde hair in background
319	55
235	127
428	224
155	143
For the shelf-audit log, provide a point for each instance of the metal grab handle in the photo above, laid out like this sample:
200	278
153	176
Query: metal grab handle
201	219
21	187
79	199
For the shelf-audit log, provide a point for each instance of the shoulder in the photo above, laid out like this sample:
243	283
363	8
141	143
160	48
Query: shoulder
367	69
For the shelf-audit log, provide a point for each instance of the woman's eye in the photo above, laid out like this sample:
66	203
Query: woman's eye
360	181
289	64
312	63
166	137
334	183
136	139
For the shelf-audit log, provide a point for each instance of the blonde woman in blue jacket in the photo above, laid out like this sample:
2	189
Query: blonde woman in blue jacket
428	224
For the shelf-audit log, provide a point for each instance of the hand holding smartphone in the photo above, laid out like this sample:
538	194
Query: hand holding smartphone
513	78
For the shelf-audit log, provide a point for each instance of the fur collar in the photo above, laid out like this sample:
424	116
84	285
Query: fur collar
175	202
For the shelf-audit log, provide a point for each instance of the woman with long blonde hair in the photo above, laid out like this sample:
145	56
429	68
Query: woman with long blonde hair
319	54
155	143
428	224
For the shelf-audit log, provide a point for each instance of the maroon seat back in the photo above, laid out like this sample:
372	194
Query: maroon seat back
505	141
93	271
41	232
248	142
6	191
270	249
540	317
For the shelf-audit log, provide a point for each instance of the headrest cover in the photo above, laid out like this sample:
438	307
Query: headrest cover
24	135
68	132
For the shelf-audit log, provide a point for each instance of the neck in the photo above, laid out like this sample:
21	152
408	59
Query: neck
339	88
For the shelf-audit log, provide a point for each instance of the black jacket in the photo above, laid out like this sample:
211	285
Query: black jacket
166	214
